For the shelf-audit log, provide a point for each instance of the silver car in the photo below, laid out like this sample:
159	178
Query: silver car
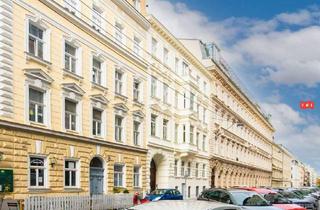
185	205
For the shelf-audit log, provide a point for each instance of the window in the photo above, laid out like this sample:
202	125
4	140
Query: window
203	170
203	188
70	173
165	93
204	143
182	168
175	167
97	18
118	82
153	125
197	139
72	5
118	128
154	47
137	4
118	175
184	134
37	172
136	133
189	191
36	41
197	191
136	45
184	100
198	110
136	176
165	129
189	169
70	58
165	56
184	68
136	90
205	87
176	129
36	106
204	115
96	122
197	170
70	115
191	101
96	71
191	134
119	32
176	65
176	98
153	87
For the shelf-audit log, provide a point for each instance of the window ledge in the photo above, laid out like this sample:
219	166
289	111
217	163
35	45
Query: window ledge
39	189
99	87
72	131
120	96
31	57
42	125
98	137
73	189
72	75
138	103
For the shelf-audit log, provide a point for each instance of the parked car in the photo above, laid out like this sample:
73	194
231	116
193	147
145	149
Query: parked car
245	199
185	205
276	199
297	199
164	194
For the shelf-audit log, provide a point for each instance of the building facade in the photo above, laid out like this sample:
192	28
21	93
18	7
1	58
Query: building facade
297	174
178	116
72	99
241	136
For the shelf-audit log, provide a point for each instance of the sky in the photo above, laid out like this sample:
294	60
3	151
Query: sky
273	46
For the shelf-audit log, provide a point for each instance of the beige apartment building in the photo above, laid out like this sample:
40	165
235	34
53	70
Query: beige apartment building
72	99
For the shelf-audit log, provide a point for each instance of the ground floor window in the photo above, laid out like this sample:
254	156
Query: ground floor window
197	191
189	191
118	175
136	176
37	171
70	173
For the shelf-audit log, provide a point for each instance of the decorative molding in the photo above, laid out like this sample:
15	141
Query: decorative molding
6	58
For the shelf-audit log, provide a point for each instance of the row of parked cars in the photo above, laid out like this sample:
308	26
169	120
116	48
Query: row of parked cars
250	198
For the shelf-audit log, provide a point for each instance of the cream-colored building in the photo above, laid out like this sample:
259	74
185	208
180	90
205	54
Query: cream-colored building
241	136
281	166
297	173
72	99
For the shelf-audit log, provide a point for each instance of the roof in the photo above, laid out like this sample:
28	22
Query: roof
184	205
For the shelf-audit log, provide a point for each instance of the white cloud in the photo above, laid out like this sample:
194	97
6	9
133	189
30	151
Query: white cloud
302	17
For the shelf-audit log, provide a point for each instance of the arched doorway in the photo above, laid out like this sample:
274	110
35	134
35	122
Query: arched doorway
213	178
96	176
153	175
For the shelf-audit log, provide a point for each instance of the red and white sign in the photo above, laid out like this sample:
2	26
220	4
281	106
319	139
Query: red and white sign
307	105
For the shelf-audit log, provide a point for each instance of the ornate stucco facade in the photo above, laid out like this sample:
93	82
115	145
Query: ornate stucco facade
72	105
242	137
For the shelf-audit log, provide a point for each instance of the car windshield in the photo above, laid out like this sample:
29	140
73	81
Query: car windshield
276	199
291	195
249	199
158	192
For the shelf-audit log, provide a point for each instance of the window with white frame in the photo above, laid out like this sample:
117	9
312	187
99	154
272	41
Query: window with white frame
70	58
176	65
118	128
119	82
176	99
118	175
184	68
36	105
198	110
119	32
165	93
153	87
197	191
96	122
72	6
197	139
192	96
165	129
176	129
184	100
182	168
97	18
204	140
205	87
189	169
191	134
96	71
71	173
165	56
37	171
136	132
137	4
153	125
136	90
184	134
70	115
136	45
203	170
154	47
136	176
175	167
204	115
36	40
197	170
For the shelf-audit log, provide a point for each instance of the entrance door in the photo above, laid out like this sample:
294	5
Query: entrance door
96	176
183	189
213	178
153	175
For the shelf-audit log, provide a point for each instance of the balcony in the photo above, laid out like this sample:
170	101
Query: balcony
187	150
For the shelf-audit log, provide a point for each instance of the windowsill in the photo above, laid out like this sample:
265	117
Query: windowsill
73	189
98	137
37	124
31	57
137	188
138	103
38	189
72	131
119	142
155	98
71	74
120	96
98	86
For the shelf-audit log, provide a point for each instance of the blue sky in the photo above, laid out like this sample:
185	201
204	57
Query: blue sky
273	46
